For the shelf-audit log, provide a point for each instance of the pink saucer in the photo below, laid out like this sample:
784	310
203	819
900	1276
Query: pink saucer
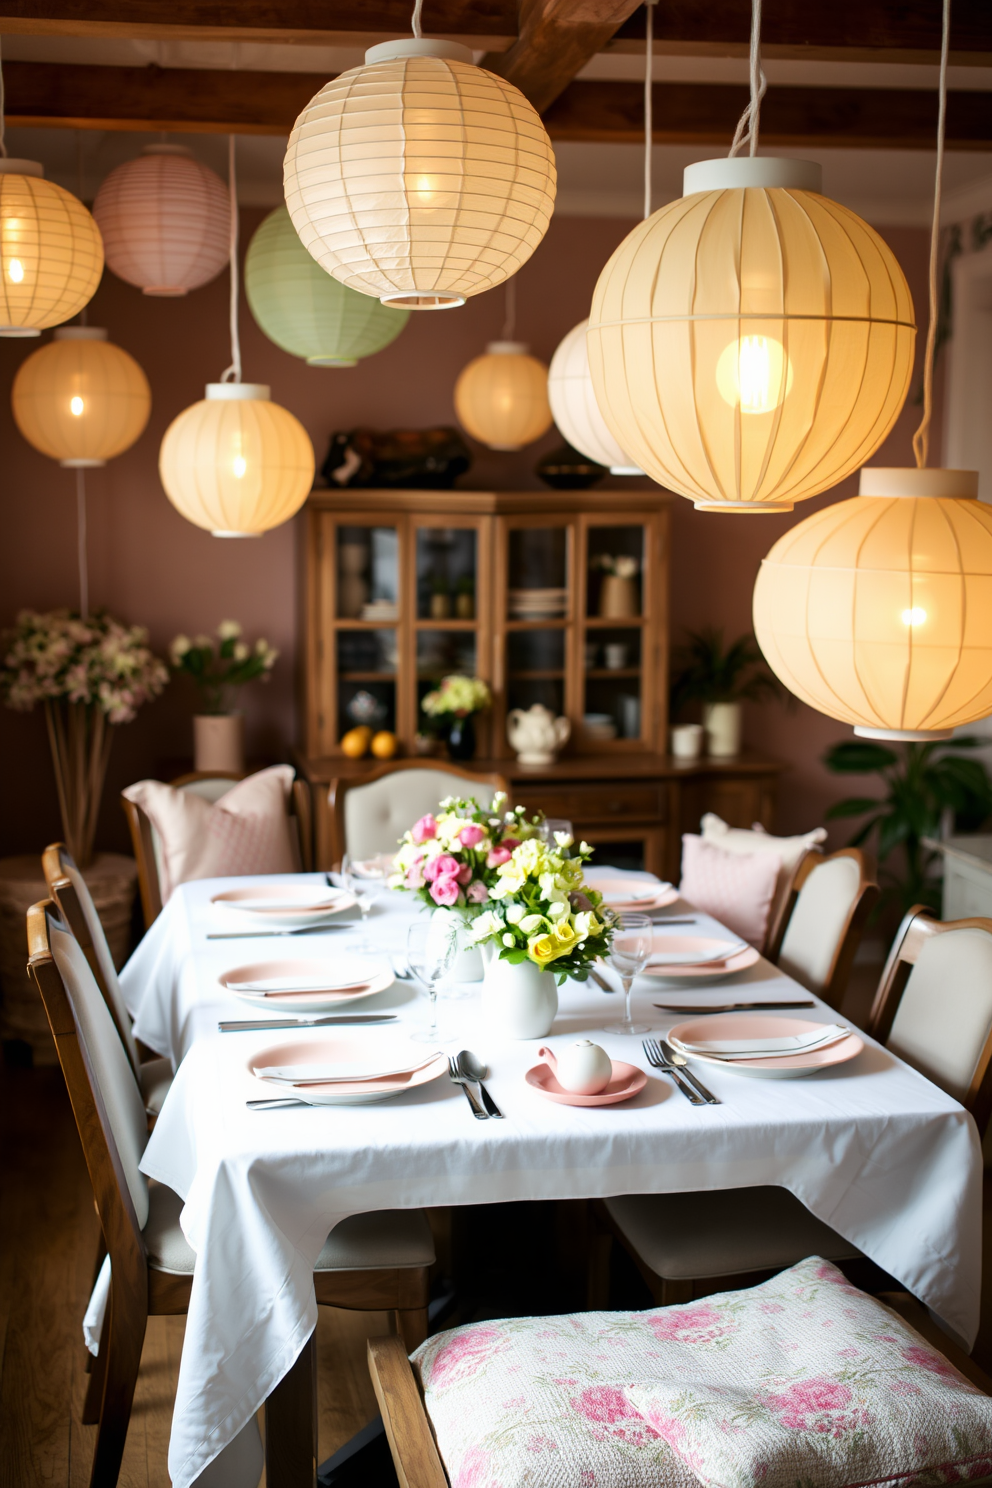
627	1080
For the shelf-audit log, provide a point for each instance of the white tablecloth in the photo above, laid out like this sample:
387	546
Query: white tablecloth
872	1148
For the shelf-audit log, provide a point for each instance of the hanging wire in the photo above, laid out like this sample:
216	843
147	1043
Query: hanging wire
415	21
510	321
747	124
84	581
3	142
921	439
233	372
649	6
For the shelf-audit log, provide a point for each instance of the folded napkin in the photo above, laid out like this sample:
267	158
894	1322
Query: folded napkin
274	986
334	1074
675	958
284	906
767	1048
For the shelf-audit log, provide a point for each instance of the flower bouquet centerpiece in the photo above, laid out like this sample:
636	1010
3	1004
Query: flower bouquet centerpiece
451	707
90	675
219	671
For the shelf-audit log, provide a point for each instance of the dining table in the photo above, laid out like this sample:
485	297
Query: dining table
871	1146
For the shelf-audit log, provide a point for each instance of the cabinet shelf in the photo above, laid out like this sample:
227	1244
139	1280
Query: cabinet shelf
452	624
350	676
605	622
558	623
605	673
535	675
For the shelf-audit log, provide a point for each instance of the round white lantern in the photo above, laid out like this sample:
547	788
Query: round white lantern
574	407
502	398
80	399
51	254
165	220
420	178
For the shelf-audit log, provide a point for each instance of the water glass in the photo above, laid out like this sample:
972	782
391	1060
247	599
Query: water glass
431	947
551	825
365	878
629	953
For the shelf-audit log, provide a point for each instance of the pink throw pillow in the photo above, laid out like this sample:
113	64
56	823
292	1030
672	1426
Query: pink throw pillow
735	888
246	832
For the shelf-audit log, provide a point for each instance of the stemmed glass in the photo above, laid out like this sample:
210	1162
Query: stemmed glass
629	954
552	824
431	947
365	878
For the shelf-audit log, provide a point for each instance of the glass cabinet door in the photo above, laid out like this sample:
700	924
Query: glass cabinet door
450	582
536	604
367	610
618	682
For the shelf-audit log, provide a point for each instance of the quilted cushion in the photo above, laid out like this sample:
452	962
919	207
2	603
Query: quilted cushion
804	1379
736	888
246	832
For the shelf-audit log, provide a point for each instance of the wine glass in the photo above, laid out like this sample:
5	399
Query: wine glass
365	878
431	947
552	824
629	954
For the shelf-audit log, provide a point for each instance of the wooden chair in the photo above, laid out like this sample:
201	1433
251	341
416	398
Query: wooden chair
370	813
822	921
211	785
411	1436
152	1264
933	1008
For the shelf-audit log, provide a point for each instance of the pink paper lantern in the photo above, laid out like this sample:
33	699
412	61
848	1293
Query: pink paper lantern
165	221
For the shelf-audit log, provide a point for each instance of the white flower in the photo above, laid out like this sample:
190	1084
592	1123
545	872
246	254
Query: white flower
229	630
485	925
241	652
178	649
509	940
564	839
531	923
514	914
558	908
584	847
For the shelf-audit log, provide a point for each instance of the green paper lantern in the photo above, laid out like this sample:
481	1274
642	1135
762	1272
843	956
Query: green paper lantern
306	312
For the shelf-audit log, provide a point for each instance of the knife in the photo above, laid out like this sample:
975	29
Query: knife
267	934
600	980
240	1025
731	1007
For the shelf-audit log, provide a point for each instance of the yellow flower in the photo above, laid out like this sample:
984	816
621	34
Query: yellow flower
543	949
565	935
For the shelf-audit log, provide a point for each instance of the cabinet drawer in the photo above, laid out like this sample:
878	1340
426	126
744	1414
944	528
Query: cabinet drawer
607	801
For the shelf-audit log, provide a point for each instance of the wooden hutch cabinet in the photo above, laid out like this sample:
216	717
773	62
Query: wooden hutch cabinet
554	597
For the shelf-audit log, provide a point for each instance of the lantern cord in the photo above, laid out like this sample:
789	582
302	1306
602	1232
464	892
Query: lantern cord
3	142
510	322
747	124
415	21
649	6
84	582
921	439
233	372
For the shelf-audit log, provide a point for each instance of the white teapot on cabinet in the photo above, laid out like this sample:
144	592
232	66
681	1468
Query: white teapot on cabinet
536	734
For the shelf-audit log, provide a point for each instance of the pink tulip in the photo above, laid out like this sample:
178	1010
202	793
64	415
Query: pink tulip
477	893
471	835
445	890
496	856
464	875
424	829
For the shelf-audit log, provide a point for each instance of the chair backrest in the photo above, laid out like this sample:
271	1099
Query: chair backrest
211	786
933	1006
106	1102
370	814
69	889
829	903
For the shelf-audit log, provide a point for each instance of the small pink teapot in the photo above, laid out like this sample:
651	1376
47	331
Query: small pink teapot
581	1069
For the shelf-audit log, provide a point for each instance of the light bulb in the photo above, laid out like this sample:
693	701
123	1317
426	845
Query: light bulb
76	405
915	616
754	374
15	271
239	465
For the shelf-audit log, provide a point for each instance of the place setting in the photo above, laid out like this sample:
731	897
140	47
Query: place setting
273	908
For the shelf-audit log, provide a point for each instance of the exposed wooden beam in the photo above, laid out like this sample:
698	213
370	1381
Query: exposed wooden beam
556	39
205	101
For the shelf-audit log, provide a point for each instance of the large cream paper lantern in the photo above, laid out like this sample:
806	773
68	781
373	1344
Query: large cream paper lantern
51	253
80	399
501	398
574	407
304	310
878	611
236	463
751	343
420	178
165	219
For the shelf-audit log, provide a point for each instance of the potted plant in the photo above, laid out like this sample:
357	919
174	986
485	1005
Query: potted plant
721	680
453	705
922	782
219	671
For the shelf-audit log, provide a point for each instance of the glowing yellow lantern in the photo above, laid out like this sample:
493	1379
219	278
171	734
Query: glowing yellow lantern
878	611
51	252
80	399
751	343
420	178
574	407
502	398
236	463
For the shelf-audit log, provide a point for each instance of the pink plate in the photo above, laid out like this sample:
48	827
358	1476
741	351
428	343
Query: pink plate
764	1025
697	945
340	1048
627	1080
309	995
280	899
616	894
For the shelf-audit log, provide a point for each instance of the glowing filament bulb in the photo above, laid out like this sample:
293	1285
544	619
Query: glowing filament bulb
753	374
915	616
424	190
76	405
15	271
239	465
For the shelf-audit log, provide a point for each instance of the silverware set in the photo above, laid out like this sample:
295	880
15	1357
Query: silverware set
662	1056
731	1007
466	1069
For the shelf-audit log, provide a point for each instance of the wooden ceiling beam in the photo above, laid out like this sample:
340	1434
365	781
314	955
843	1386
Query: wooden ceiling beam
556	39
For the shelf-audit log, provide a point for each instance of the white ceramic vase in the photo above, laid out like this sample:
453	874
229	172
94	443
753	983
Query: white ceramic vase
722	722
518	1001
467	965
219	742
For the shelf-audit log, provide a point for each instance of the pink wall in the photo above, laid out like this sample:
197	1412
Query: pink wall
148	565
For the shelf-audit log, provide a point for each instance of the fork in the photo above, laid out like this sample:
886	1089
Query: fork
656	1059
459	1079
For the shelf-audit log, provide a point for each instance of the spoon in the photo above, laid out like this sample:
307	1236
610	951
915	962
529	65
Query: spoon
476	1070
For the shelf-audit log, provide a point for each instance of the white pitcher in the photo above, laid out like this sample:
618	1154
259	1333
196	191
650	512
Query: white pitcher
536	734
519	1001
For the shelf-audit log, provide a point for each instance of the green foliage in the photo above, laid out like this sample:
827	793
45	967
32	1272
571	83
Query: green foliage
219	669
921	781
703	672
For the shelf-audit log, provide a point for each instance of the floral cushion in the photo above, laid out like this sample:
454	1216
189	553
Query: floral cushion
805	1380
540	1403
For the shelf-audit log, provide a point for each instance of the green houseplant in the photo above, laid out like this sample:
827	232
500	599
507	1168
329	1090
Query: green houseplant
921	782
720	678
219	670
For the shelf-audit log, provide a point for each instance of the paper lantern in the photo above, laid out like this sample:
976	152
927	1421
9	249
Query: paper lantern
166	221
502	398
51	254
236	463
303	309
878	611
420	178
574	407
751	344
80	399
